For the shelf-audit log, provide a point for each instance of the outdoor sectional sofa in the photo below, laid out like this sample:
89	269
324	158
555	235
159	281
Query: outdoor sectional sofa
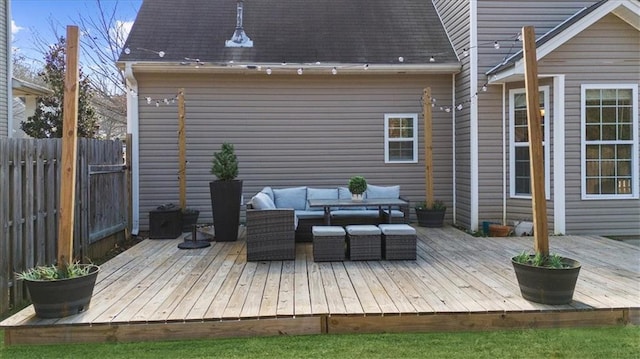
278	217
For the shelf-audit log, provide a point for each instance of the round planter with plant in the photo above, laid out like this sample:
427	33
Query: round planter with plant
357	186
58	292
226	194
546	279
431	214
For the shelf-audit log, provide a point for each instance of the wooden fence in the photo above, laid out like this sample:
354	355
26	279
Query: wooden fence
29	201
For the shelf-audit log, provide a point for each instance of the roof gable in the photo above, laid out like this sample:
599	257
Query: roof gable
629	11
292	31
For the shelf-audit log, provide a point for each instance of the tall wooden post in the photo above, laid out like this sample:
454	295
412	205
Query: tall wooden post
69	151
182	151
428	145
536	154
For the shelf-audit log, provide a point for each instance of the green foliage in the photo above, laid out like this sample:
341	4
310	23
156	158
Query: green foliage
51	272
357	185
438	205
225	163
584	343
538	260
47	122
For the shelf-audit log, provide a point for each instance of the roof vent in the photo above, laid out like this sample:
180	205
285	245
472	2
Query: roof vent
239	38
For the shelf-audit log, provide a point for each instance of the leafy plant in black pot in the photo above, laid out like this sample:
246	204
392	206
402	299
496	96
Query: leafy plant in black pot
430	214
226	194
357	185
60	291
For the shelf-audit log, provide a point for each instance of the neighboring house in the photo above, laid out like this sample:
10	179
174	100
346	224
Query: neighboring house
318	128
589	70
289	129
25	95
5	66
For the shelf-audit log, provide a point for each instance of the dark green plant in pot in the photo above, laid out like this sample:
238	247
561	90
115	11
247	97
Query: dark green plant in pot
225	163
226	194
431	215
357	185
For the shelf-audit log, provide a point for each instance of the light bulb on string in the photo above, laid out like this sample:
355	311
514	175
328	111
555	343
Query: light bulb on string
157	103
496	45
127	51
161	53
334	71
465	52
300	70
268	71
148	100
459	107
366	67
447	110
484	88
432	59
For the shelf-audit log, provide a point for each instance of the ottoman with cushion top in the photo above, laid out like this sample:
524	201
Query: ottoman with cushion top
363	242
328	243
398	241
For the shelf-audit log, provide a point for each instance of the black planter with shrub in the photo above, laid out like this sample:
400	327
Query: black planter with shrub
226	194
431	215
549	280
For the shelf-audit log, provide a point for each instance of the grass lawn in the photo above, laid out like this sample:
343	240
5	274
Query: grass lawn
608	343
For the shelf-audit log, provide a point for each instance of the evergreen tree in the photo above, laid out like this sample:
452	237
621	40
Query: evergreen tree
47	120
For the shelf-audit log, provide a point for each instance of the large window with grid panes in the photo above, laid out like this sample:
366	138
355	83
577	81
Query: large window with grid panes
609	141
401	138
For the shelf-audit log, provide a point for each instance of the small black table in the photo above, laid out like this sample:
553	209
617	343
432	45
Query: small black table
327	204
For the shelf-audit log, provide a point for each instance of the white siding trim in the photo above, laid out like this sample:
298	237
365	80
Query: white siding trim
473	116
547	150
9	72
504	152
634	147
559	190
414	118
132	128
453	148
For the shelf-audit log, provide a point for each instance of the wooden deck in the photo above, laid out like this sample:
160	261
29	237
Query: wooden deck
156	291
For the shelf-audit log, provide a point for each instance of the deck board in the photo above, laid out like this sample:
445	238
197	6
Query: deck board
467	280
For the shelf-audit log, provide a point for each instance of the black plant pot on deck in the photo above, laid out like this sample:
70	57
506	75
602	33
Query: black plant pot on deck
547	285
225	204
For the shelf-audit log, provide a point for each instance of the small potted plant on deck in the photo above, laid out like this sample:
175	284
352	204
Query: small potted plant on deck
357	186
226	194
60	291
431	214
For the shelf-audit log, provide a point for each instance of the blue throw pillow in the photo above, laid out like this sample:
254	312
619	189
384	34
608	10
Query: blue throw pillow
262	201
295	197
320	193
383	191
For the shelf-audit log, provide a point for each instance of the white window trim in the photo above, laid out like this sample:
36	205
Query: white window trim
547	144
414	117
634	143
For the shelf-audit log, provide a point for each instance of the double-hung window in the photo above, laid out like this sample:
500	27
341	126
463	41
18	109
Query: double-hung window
400	138
520	173
609	141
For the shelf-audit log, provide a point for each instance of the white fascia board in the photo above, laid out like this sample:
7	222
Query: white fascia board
132	128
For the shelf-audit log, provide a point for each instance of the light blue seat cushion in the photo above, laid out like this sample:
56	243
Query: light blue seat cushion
294	197
341	213
395	213
262	201
320	193
269	192
327	231
362	230
304	214
343	193
374	191
397	229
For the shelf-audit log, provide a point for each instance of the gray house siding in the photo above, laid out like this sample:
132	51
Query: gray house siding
605	53
455	16
287	131
4	68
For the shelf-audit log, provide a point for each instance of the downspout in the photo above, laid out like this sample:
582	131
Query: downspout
453	143
559	190
504	153
132	128
473	117
9	73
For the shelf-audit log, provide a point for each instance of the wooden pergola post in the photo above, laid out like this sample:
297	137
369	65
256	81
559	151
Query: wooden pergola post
69	151
182	151
428	146
536	154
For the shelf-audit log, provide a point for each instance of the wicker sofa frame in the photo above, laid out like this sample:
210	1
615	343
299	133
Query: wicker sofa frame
270	235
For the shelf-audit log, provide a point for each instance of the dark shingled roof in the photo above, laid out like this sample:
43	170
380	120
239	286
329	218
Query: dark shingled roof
295	31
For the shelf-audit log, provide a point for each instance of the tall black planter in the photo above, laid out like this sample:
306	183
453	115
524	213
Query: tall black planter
433	218
225	204
62	297
547	285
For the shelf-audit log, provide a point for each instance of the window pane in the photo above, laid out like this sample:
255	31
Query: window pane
609	114
624	114
521	134
609	132
593	115
593	132
523	185
593	168
624	97
593	97
609	97
593	151
625	132
608	151
624	151
608	186
624	186
401	151
593	186
608	168
624	168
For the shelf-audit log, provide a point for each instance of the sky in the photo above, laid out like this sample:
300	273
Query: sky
32	19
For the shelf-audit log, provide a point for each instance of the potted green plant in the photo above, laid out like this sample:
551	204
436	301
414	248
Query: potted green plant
547	279
357	185
60	291
226	194
430	214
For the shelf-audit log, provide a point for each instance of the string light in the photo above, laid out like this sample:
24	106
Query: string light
268	71
484	88
334	71
401	59
300	70
432	59
158	101
496	45
366	67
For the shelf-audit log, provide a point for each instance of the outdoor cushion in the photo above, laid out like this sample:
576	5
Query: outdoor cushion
397	229
394	213
262	201
327	231
362	229
374	191
294	197
269	192
341	213
304	214
320	193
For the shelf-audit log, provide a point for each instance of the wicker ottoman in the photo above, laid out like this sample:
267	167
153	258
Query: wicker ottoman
398	241
328	243
364	242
